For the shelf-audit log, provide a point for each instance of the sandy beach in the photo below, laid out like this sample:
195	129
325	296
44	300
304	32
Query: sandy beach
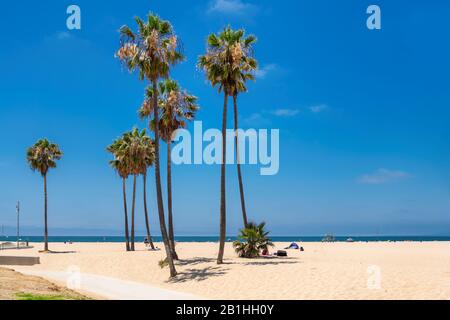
374	270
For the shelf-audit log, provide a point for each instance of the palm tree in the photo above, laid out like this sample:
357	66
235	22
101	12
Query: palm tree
252	240
176	106
121	167
148	154
41	157
245	66
223	65
133	150
151	51
133	154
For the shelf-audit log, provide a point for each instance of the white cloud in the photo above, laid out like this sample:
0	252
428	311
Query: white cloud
231	6
285	112
318	108
382	175
262	72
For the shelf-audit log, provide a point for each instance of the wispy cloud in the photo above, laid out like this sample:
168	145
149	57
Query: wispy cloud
255	120
382	175
63	35
264	117
262	72
231	7
318	108
285	112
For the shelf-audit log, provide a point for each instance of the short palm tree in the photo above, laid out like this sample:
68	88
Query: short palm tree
133	150
176	106
148	155
122	168
252	240
223	63
41	157
151	51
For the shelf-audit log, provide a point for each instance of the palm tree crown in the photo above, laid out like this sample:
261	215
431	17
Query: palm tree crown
175	106
151	50
133	153
229	61
120	165
43	155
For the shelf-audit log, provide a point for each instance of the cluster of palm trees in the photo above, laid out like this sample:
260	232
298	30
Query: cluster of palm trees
134	153
151	51
228	63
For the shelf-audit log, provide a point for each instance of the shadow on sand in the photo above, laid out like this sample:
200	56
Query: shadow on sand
199	274
274	261
194	261
60	252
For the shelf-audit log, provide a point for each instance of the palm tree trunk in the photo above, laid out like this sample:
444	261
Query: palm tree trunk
223	218
45	215
169	201
162	222
133	206
236	140
127	236
147	223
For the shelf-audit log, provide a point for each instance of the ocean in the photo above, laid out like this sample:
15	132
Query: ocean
216	239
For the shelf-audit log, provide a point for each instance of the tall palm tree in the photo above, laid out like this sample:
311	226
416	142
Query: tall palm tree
41	157
151	51
122	169
176	106
222	64
245	66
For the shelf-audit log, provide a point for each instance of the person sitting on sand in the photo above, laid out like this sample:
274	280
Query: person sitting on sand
146	242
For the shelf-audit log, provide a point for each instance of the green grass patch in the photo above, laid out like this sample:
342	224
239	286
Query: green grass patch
31	296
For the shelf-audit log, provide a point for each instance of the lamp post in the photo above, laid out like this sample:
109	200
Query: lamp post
18	225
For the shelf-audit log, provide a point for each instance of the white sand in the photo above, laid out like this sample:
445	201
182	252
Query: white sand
400	270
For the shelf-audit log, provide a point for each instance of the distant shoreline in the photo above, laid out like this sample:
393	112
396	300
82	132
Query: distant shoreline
115	239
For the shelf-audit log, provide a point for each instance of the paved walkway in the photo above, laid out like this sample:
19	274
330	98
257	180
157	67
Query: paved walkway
110	288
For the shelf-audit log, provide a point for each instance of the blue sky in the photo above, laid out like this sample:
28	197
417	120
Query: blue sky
363	115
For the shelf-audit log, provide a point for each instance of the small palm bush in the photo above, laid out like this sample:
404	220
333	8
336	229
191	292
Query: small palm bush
252	240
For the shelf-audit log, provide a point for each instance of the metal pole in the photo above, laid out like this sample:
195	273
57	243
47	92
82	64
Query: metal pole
18	225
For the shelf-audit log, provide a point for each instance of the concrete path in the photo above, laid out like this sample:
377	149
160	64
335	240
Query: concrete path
109	288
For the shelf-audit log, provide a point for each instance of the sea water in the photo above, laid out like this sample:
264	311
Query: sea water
216	238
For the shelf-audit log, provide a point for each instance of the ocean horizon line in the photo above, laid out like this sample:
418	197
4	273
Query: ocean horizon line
140	238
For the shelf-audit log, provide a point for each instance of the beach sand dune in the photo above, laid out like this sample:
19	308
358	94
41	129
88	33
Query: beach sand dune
374	270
